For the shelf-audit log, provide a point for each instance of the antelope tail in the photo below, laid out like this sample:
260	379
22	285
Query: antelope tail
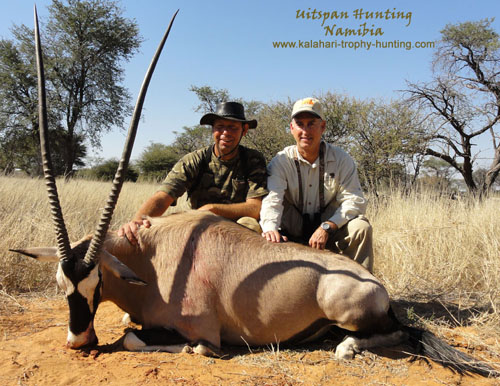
428	346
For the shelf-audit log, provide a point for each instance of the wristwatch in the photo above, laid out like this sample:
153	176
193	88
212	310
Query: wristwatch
327	227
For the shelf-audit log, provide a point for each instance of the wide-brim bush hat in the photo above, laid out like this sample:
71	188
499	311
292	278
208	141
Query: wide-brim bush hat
233	111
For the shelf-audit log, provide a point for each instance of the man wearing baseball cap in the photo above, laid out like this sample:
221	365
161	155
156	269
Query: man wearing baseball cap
225	178
315	197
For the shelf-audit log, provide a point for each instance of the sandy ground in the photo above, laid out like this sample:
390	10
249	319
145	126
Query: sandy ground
32	352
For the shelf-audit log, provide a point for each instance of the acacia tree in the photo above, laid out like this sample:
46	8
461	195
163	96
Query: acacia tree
105	170
436	174
387	140
191	139
342	116
272	133
18	109
209	98
156	161
85	42
464	97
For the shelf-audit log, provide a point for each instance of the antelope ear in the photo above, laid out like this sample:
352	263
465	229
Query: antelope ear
40	253
118	269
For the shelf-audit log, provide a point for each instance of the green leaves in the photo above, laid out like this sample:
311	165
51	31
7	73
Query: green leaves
156	161
84	44
477	36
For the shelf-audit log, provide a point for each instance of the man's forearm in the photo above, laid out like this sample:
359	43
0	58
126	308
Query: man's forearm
249	208
155	206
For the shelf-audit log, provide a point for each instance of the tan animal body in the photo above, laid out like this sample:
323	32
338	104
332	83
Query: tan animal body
213	280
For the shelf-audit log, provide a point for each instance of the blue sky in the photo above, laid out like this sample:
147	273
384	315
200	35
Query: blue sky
228	44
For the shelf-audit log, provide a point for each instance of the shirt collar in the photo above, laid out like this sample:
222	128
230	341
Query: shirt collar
313	165
226	162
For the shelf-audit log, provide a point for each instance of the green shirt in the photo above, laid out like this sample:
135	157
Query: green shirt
219	182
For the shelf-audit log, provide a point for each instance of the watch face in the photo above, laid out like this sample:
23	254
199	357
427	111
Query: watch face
325	226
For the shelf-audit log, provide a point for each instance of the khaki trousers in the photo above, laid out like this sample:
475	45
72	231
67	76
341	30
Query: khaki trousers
250	223
353	240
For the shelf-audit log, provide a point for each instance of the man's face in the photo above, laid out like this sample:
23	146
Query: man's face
307	130
227	134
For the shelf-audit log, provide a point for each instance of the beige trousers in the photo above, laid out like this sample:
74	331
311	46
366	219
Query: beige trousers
354	239
250	223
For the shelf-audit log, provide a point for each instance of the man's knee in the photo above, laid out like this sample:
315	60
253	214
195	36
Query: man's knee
360	229
250	223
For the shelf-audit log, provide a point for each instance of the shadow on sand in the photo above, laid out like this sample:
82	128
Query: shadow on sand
408	313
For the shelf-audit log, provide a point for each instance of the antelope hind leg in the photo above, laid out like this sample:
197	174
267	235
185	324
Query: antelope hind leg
352	345
157	339
166	341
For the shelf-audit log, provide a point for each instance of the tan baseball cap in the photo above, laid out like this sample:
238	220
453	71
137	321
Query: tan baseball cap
308	105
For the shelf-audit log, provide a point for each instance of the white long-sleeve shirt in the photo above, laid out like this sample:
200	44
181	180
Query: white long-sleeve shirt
342	188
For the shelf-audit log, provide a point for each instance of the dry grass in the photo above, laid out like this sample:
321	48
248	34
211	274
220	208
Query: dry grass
432	246
25	221
441	259
429	250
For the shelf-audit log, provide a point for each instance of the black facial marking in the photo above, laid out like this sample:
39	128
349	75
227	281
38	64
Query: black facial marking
80	314
76	270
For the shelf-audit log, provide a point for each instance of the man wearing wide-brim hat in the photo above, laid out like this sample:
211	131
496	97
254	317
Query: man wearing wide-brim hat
225	178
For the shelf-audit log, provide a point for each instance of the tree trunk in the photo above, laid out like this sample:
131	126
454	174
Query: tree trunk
69	158
492	173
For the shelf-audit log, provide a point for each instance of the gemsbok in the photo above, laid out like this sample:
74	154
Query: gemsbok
214	281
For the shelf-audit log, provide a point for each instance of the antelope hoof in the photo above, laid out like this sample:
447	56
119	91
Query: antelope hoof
346	349
207	351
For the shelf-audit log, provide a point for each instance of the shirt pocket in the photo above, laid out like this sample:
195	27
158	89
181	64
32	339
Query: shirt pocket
331	184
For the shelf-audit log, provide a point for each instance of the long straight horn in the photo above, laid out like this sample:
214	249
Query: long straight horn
63	245
103	226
